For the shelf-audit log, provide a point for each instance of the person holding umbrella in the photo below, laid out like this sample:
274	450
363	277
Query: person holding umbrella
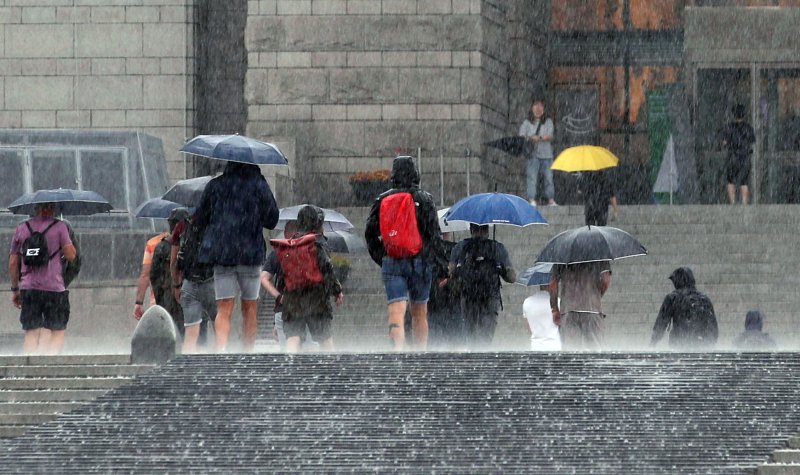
538	131
37	283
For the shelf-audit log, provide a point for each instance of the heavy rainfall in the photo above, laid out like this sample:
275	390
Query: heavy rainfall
400	236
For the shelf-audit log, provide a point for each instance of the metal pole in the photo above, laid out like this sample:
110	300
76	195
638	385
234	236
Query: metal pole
467	154
419	164
441	177
756	121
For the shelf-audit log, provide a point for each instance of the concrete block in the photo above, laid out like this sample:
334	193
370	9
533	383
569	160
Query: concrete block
155	118
265	33
280	112
268	7
178	65
38	67
399	58
460	111
460	59
363	7
475	59
364	59
10	119
294	7
328	112
10	67
461	7
165	40
399	7
141	14
109	40
431	85
38	93
108	66
155	337
475	7
306	86
73	15
434	111
328	7
364	85
364	112
107	119
39	15
172	14
328	59
434	59
256	86
38	41
268	60
77	119
399	112
10	15
164	92
294	60
142	66
472	85
336	139
108	14
434	7
38	119
316	33
109	92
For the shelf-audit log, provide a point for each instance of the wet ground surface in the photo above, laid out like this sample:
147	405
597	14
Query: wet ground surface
430	412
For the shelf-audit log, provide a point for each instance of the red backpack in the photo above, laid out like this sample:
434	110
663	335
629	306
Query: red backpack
399	229
298	260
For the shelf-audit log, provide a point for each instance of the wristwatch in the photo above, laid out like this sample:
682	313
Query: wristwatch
139	302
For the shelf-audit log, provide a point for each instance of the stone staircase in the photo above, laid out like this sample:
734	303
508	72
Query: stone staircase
36	389
512	412
743	258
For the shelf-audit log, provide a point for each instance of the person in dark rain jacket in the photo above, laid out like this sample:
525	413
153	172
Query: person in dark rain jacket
753	337
407	278
234	209
689	312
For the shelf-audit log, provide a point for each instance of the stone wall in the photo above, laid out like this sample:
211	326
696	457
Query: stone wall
354	83
99	64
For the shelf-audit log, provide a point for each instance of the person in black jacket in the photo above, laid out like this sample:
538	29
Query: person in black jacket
689	312
738	138
407	278
754	338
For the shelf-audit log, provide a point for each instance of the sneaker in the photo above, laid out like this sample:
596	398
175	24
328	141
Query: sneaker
533	203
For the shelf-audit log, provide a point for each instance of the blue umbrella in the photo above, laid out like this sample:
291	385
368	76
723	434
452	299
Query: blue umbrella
187	192
334	220
68	202
539	274
156	208
235	148
495	208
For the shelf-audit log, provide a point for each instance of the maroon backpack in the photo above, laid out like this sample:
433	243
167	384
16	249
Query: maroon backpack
298	260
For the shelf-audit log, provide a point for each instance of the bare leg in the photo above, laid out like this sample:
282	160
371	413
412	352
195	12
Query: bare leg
293	344
31	343
731	193
222	324
326	345
397	317
55	342
745	194
190	339
419	324
249	324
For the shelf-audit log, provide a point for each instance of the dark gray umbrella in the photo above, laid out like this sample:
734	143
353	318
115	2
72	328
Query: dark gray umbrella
345	242
187	192
334	220
67	202
590	244
156	208
513	145
235	148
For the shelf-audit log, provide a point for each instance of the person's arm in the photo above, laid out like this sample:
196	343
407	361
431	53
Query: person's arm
141	289
175	274
70	253
662	321
507	272
605	281
614	208
547	131
266	282
269	207
14	265
372	234
552	289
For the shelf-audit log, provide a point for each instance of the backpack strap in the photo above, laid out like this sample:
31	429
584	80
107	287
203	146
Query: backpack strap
30	230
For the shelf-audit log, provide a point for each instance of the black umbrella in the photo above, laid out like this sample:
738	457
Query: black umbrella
187	192
67	202
590	244
345	242
155	208
513	145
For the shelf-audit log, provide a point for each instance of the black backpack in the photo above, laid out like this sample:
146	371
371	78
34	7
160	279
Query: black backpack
35	252
187	255
697	321
478	276
160	277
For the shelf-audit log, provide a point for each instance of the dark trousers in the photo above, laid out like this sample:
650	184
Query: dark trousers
481	320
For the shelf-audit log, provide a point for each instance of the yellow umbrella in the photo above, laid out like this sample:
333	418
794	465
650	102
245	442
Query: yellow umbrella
585	158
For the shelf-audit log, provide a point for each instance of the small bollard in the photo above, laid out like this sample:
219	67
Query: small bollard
155	337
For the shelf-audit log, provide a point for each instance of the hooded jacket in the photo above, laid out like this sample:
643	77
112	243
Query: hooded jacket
753	338
675	312
405	178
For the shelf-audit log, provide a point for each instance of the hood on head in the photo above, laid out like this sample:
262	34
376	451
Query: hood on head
683	278
753	321
404	172
310	218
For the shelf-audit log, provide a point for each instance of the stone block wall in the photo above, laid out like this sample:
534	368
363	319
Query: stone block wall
354	83
95	64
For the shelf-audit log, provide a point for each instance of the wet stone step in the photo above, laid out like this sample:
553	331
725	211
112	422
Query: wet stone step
62	383
72	370
779	469
49	395
791	456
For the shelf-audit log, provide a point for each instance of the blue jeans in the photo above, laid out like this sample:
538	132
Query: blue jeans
536	165
407	279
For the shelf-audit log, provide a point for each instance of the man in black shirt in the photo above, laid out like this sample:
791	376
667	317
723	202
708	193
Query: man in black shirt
738	138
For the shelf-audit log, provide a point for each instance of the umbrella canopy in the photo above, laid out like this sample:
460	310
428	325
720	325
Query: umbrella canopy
452	225
590	244
68	202
513	145
495	208
334	220
235	148
156	208
187	192
345	242
539	274
585	158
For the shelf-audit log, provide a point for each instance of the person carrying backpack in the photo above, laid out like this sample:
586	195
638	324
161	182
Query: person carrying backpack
402	234
193	282
476	265
37	281
689	313
160	274
308	282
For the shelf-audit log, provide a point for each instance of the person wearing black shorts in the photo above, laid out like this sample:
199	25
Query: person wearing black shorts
738	138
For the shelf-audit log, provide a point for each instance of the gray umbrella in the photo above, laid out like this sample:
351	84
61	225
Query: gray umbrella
334	220
590	244
67	202
345	242
187	192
